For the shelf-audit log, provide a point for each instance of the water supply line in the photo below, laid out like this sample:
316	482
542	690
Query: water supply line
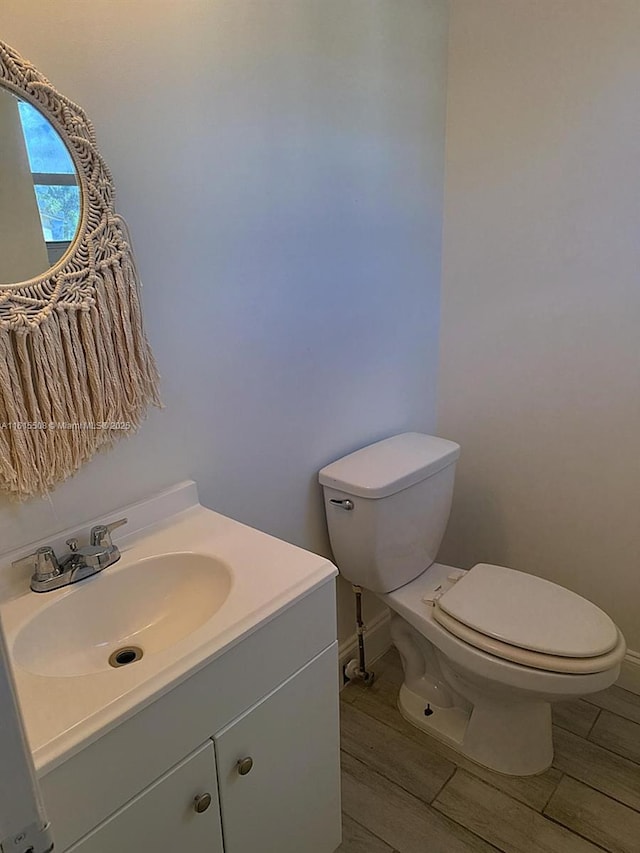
356	669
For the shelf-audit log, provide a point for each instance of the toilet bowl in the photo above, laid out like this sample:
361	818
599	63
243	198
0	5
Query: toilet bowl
480	700
484	651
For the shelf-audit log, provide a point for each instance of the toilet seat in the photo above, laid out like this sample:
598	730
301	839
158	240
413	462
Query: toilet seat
525	657
530	621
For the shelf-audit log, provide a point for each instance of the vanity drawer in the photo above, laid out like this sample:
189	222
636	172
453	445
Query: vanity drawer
164	818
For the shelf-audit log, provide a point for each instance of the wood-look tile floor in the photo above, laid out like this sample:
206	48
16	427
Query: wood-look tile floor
405	792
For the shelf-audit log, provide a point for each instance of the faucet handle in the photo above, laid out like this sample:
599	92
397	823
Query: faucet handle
42	562
101	533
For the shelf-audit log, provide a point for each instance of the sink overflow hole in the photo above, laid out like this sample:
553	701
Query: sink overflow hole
121	657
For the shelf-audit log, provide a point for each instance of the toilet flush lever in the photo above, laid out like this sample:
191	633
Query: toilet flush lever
345	504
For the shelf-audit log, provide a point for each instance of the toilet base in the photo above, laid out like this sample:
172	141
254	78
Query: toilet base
513	739
445	724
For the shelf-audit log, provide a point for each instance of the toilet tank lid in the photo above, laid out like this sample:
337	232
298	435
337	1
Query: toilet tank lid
389	466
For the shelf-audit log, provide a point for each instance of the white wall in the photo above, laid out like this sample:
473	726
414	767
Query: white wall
540	373
280	163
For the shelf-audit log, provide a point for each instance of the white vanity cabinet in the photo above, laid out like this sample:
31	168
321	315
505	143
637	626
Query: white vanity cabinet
259	728
168	816
278	768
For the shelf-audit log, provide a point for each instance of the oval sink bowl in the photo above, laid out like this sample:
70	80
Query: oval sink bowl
150	605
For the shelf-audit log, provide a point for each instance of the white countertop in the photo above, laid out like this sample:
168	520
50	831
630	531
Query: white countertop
64	714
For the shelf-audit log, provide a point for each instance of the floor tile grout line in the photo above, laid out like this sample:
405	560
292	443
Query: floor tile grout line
597	791
471	831
613	752
591	728
599	745
503	792
442	787
551	795
401	734
428	805
559	725
441	813
381	772
393	728
604	708
635	723
540	814
577	834
363	826
615	713
528	805
405	737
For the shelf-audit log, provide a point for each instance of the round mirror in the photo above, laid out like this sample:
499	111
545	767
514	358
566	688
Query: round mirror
39	192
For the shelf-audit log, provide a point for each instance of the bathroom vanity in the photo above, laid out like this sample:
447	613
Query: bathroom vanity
224	735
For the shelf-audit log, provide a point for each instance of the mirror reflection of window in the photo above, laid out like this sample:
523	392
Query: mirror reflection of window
54	180
23	251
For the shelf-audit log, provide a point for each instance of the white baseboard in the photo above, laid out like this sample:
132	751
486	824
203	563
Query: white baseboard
630	672
377	640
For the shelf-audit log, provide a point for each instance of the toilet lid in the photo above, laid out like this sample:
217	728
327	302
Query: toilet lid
524	657
528	612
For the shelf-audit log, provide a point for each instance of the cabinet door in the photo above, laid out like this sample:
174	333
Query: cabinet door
289	800
163	818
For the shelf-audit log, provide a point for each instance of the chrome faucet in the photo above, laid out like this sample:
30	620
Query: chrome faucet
49	573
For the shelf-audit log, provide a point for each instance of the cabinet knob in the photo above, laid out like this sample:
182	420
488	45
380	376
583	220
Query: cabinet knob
202	802
245	765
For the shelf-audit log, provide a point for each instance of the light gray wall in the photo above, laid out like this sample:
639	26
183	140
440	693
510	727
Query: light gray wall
280	163
540	375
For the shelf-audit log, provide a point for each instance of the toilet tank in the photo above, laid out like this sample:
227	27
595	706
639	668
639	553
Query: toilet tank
387	508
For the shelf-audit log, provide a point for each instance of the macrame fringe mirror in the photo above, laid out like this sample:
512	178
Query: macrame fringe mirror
76	370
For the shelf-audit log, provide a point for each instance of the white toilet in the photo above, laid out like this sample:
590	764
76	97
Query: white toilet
484	651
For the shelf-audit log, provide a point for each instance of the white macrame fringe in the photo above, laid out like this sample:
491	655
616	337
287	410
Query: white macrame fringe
76	371
70	386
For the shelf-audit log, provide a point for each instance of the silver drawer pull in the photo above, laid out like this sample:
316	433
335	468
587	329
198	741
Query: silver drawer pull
245	765
345	504
202	802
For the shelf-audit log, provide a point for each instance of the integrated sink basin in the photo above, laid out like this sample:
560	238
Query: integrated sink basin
190	584
117	617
